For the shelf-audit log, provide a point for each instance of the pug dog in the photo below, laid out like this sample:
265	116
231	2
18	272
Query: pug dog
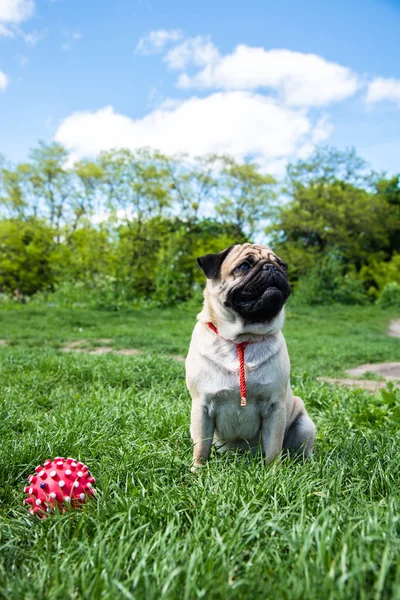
237	367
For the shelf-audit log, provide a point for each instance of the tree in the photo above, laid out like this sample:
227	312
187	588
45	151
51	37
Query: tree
88	177
192	183
327	166
12	198
388	192
329	210
246	196
136	186
131	224
51	181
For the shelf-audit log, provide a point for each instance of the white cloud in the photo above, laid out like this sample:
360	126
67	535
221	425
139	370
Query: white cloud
34	37
301	79
13	12
381	89
321	131
3	81
16	11
199	51
5	31
258	106
238	123
71	38
156	40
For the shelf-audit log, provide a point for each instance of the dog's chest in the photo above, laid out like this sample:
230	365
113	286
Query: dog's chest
261	368
263	378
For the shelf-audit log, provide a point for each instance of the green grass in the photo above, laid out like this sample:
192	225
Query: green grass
327	529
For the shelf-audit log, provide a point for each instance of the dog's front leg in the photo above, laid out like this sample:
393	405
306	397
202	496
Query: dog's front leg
273	430
202	431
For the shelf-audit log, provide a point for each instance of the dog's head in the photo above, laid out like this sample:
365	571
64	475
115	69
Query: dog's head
249	280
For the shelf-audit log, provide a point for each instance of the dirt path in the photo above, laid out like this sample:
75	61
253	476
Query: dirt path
390	371
370	385
394	328
83	346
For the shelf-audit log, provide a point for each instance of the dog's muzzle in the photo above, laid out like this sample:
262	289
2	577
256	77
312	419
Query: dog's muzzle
261	294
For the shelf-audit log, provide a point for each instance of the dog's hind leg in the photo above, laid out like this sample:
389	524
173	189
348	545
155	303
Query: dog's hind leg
300	435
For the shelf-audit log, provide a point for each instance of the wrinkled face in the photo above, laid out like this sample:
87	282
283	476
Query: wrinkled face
252	280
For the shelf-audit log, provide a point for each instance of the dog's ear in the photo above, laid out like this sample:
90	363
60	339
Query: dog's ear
211	263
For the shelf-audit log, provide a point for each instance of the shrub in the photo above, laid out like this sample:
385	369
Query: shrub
390	296
103	292
27	257
326	284
377	273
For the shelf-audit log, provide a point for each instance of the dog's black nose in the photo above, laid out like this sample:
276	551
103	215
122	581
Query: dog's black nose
268	267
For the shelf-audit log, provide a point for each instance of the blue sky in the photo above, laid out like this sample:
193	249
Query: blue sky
261	78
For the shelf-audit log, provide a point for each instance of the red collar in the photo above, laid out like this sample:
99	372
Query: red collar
242	375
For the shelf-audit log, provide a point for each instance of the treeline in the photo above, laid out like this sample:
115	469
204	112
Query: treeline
127	227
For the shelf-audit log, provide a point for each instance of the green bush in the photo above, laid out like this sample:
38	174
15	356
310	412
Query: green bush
390	296
377	273
326	284
103	292
28	256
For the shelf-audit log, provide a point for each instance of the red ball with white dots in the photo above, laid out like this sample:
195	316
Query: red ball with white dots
59	483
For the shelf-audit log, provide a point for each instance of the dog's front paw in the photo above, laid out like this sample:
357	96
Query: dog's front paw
197	465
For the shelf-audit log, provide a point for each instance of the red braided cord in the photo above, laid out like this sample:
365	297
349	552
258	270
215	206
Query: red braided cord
242	374
211	326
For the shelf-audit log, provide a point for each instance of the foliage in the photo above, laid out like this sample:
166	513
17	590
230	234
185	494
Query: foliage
335	205
390	296
128	226
325	283
103	291
27	256
378	273
89	254
384	411
246	196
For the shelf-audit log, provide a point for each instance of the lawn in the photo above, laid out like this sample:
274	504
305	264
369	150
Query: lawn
327	529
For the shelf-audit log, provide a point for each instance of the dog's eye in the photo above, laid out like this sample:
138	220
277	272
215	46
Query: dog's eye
282	264
245	266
